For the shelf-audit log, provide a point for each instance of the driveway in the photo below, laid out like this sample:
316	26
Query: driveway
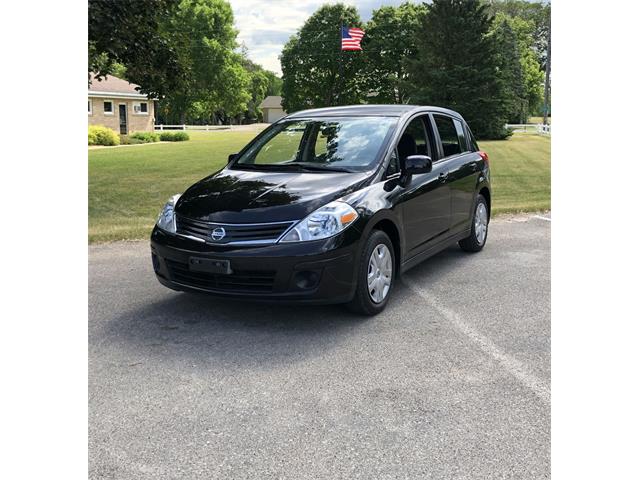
450	381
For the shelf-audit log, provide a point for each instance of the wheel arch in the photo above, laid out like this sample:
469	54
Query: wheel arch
389	225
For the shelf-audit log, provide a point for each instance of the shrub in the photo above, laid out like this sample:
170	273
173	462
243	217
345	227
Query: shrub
127	140
99	135
174	136
145	137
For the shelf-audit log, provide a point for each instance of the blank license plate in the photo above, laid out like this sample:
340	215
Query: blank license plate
209	265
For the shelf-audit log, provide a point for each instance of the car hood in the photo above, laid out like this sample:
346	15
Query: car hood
243	196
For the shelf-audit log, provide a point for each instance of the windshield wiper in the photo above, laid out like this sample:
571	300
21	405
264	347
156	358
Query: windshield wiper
264	166
296	166
322	167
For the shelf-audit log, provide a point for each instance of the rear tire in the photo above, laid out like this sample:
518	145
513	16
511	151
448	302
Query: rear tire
479	227
375	275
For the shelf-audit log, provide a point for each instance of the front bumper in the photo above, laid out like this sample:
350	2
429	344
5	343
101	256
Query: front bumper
319	272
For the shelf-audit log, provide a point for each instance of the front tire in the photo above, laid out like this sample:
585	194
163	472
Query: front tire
375	275
479	227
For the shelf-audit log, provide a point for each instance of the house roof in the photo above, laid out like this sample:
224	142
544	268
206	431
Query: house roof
272	101
113	87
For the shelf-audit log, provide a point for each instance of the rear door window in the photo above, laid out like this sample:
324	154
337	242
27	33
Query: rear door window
449	136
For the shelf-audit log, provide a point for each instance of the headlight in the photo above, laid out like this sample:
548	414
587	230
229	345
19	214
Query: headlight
166	219
323	223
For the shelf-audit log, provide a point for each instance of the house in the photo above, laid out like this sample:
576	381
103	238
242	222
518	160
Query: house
115	103
272	110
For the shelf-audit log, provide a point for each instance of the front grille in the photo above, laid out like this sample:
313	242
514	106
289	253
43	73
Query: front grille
234	233
252	281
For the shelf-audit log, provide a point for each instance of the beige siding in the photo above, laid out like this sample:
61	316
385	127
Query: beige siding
270	115
135	122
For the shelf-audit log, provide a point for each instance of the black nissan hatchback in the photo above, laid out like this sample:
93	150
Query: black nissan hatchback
328	206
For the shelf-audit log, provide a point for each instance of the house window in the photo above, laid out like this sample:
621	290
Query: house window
108	107
90	108
141	108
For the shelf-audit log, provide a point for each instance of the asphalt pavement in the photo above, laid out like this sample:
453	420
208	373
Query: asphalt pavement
451	381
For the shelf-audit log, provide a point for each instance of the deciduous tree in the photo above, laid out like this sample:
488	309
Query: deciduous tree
274	86
391	37
215	82
510	72
130	34
532	73
315	72
538	13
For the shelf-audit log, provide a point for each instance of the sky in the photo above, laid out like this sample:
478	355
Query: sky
266	25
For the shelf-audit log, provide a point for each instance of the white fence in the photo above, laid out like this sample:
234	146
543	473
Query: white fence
516	127
529	128
191	127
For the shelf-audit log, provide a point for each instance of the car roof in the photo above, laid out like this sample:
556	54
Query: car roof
370	110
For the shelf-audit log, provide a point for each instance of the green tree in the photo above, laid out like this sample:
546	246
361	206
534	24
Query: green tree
315	72
510	72
215	83
537	13
532	68
456	63
391	37
532	73
130	34
230	97
274	86
259	83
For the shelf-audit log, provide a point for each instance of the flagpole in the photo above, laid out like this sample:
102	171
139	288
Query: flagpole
340	63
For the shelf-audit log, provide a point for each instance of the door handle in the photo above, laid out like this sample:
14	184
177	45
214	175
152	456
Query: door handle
474	167
443	176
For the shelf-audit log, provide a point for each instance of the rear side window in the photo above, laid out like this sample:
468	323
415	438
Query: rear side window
451	142
462	138
472	141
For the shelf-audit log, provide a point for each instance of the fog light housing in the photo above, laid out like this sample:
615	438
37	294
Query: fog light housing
156	262
306	279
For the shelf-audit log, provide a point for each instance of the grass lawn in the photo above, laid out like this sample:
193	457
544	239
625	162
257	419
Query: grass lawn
520	173
539	120
129	185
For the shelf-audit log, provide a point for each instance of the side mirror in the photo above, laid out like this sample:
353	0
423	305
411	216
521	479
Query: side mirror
232	157
414	165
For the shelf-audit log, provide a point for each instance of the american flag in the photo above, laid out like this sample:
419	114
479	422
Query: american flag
351	38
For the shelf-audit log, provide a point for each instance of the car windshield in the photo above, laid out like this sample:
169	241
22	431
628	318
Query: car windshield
346	144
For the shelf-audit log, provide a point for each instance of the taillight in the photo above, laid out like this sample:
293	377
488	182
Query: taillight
485	157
